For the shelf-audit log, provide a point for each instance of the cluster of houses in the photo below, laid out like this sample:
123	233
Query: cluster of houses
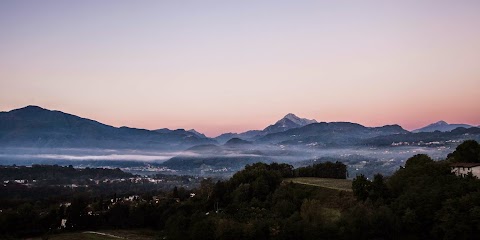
135	180
422	143
135	199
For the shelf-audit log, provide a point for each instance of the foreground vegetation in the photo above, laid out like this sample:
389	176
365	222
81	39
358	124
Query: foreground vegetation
422	200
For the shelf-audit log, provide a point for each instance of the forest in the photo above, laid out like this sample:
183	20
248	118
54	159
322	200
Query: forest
58	174
422	200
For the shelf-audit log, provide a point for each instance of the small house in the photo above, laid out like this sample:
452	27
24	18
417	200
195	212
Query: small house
462	169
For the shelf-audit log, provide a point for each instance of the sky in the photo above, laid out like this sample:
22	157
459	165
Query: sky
231	66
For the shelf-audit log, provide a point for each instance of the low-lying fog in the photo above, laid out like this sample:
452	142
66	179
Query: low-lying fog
227	160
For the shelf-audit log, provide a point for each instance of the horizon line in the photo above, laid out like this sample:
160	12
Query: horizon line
231	132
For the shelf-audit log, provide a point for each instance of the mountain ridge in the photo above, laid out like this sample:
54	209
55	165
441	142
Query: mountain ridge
330	133
441	126
289	121
33	126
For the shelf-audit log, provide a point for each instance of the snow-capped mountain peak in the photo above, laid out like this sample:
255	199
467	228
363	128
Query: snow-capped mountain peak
439	123
299	121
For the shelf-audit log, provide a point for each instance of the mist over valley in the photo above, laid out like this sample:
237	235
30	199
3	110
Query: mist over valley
34	135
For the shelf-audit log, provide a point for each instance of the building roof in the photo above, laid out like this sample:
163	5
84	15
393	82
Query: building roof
467	165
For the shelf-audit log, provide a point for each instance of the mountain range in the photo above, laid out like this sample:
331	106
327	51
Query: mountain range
34	126
37	127
330	134
288	122
441	126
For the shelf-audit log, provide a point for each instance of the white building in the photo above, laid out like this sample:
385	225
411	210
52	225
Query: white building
63	223
462	169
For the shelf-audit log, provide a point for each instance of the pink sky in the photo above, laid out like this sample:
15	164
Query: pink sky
229	67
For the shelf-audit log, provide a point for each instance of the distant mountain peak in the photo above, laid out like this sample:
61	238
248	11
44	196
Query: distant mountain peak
31	108
440	123
297	120
288	122
196	133
441	126
291	115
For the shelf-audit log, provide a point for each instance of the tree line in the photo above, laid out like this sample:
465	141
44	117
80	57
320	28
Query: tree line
328	169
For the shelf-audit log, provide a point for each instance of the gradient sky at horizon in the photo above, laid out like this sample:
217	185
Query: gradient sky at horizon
231	66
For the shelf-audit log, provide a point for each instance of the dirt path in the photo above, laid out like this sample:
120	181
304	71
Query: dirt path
105	234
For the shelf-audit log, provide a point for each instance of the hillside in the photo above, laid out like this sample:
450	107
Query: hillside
34	126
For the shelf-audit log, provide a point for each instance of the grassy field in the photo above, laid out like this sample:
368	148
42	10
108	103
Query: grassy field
104	235
337	184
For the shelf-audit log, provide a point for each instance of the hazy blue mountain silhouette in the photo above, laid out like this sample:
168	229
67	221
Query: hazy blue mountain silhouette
237	142
458	134
182	132
248	135
232	156
34	126
289	121
198	134
441	126
330	134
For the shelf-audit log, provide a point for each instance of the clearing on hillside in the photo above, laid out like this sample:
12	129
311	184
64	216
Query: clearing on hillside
337	184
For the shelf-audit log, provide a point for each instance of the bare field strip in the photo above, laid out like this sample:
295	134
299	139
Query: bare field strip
338	184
